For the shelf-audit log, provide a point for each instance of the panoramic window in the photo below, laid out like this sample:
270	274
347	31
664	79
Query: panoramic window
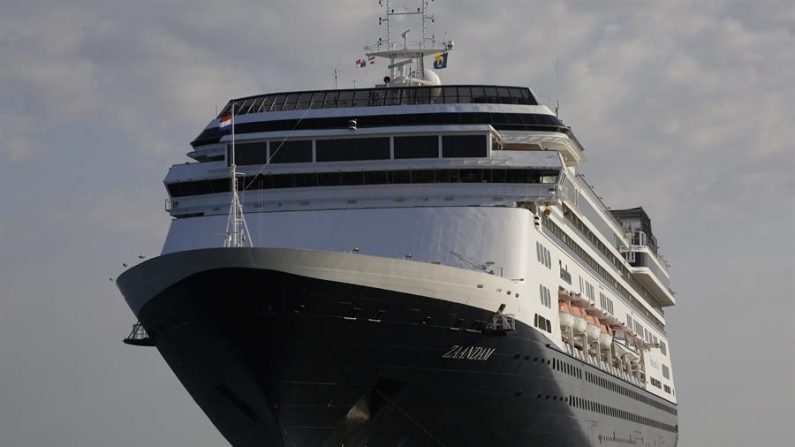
348	149
248	153
291	151
457	146
417	147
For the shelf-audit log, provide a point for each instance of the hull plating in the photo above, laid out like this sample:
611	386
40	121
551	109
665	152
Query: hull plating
279	359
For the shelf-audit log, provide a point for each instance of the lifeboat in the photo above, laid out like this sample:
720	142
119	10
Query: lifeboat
605	336
579	320
592	327
566	318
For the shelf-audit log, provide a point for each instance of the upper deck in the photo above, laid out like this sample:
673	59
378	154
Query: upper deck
379	97
503	107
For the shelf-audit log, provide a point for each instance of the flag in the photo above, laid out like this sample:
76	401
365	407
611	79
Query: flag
361	63
440	60
225	122
371	59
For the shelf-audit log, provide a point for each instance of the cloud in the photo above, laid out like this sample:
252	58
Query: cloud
683	107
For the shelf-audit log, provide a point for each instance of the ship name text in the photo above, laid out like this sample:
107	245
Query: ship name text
469	353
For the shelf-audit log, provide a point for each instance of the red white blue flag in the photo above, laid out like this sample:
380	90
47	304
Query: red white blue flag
225	121
361	63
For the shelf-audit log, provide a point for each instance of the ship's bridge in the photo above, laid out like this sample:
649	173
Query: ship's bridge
513	111
491	142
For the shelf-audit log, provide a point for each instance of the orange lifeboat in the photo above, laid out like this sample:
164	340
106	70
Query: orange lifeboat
592	328
579	320
605	336
566	318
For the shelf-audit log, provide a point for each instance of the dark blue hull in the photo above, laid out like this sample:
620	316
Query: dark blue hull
276	359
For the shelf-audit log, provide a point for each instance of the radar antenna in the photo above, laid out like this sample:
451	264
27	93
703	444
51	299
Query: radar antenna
237	234
405	54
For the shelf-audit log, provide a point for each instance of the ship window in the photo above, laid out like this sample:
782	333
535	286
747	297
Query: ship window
450	95
266	104
491	95
478	95
304	100
278	103
423	95
329	178
331	99
291	151
457	146
255	106
377	97
399	177
663	348
242	107
352	178
349	149
345	98
546	299
504	95
423	176
248	153
518	96
361	98
283	181
464	95
542	323
290	102
306	180
393	97
317	100
375	177
417	147
666	372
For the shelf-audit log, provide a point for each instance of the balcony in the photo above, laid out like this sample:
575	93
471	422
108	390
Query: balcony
650	269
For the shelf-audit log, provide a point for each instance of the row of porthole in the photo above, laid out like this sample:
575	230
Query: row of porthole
589	405
612	386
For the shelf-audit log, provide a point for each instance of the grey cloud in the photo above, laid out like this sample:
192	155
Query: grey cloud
684	107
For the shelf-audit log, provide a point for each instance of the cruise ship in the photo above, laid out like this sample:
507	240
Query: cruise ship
412	264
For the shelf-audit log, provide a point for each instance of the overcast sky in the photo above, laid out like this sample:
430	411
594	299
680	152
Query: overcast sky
684	107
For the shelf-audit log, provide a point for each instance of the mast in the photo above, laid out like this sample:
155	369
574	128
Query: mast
406	59
237	234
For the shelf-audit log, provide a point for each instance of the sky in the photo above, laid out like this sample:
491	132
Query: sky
683	107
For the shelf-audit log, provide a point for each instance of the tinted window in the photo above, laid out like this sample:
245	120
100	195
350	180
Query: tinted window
249	153
352	149
317	100
450	95
393	96
463	146
423	176
268	181
290	102
417	147
361	98
331	99
345	98
267	103
291	151
278	102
